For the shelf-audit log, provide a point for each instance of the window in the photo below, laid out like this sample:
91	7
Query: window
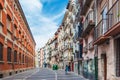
22	58
26	60
0	15
104	17
1	52
19	57
8	23
9	51
1	20
15	30
15	56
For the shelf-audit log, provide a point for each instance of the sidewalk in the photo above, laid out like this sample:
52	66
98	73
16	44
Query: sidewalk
73	73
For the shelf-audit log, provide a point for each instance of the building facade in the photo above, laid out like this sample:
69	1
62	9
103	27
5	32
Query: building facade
41	57
17	46
107	39
67	24
61	46
89	38
88	24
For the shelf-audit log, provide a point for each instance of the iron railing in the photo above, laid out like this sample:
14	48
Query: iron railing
89	18
113	14
101	28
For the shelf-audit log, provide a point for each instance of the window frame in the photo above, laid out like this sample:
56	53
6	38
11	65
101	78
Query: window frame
0	15
1	51
15	56
9	54
8	23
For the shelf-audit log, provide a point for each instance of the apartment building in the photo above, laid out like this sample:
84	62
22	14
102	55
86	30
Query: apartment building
77	40
87	12
17	46
53	50
107	39
61	46
41	57
68	34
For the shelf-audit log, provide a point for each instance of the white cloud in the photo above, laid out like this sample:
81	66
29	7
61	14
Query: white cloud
59	15
47	0
41	26
44	31
32	5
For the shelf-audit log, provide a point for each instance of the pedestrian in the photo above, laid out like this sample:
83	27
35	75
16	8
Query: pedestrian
69	68
66	69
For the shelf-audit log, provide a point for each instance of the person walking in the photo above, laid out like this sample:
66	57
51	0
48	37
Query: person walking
66	69
69	69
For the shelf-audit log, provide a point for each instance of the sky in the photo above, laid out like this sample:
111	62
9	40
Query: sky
44	17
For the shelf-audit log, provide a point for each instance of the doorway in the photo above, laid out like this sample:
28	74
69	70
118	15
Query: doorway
104	65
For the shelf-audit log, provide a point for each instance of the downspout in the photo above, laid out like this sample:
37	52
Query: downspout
95	47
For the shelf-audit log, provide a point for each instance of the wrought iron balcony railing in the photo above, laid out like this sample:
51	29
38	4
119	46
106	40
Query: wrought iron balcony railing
89	23
101	28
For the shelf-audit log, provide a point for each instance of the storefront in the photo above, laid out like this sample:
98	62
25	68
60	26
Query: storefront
89	69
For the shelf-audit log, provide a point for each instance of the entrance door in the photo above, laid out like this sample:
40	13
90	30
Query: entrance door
117	47
104	66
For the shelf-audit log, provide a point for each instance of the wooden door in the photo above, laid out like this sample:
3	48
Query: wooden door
104	66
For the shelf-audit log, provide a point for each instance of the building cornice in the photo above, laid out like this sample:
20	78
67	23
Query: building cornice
24	18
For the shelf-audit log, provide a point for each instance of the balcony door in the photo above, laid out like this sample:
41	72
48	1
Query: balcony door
104	23
118	11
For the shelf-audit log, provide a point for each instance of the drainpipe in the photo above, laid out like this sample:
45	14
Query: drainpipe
95	47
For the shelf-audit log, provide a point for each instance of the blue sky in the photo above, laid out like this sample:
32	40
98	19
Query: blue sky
44	17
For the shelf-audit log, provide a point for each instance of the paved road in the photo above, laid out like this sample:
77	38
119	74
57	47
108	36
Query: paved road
44	74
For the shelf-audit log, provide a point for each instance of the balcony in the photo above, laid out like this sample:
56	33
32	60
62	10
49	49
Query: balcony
89	23
100	30
77	36
90	45
66	47
110	26
71	46
66	36
85	49
113	19
1	4
85	6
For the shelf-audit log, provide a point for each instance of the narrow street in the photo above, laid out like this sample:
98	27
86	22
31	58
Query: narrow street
43	74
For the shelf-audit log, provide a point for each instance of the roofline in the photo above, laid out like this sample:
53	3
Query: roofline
24	18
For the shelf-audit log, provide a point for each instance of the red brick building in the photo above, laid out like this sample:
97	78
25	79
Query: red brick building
17	46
